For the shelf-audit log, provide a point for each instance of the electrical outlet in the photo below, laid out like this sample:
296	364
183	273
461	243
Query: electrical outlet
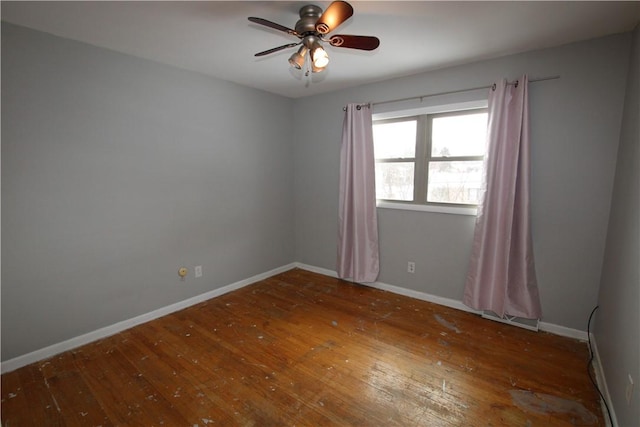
629	392
198	271
411	267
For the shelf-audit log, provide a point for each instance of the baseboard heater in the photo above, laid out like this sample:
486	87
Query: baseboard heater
530	324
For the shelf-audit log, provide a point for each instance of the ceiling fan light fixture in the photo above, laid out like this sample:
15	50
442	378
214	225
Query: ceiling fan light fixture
315	69
319	56
297	59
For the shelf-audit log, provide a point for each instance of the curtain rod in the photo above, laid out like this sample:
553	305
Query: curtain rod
450	92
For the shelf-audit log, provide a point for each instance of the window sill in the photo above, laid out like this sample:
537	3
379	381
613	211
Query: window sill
456	210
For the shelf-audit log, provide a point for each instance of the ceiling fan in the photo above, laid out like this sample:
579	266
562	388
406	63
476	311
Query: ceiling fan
311	29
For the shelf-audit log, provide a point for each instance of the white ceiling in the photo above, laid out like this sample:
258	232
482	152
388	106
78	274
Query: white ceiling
215	38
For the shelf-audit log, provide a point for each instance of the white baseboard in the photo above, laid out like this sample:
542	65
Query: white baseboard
563	331
52	350
602	385
448	302
315	269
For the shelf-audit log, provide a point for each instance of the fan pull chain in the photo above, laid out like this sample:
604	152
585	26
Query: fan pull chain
307	71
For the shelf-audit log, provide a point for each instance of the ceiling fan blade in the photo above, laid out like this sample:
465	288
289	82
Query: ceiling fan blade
355	42
276	49
336	14
273	25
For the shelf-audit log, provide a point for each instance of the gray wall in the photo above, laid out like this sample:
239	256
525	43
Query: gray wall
617	320
575	131
115	172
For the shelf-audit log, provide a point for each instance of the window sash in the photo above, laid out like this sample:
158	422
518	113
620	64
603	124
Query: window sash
398	120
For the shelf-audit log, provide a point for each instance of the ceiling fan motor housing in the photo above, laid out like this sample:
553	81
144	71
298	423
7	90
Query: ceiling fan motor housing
309	15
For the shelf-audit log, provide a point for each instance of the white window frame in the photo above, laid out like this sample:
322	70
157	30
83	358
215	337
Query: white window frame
425	206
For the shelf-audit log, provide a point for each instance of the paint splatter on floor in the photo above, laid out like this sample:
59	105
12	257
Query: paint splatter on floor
541	403
447	324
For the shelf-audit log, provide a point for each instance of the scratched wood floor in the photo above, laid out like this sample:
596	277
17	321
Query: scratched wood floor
302	349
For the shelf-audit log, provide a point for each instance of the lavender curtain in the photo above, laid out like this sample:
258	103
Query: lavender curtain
358	254
501	276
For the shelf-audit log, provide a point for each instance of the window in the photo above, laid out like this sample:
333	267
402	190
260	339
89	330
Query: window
431	159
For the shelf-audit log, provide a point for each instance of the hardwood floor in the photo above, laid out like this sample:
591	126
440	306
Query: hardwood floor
302	349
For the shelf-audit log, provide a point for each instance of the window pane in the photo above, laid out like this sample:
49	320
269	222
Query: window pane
459	135
394	181
396	140
455	182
